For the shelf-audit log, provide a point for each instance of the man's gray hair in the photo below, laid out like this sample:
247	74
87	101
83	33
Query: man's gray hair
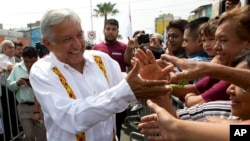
56	16
4	44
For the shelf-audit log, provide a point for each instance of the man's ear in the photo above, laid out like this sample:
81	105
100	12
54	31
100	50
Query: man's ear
47	43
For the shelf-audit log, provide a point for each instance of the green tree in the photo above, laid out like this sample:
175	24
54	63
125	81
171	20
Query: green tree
105	9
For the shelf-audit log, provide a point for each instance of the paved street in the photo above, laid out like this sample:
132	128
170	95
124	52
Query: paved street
130	129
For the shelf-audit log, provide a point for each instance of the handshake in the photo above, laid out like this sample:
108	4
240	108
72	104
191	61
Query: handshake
149	77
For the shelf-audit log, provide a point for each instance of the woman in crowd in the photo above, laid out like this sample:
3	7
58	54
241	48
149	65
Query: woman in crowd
162	123
232	31
228	35
208	89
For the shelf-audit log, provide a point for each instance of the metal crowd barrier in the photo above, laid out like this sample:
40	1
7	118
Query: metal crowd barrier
9	117
136	136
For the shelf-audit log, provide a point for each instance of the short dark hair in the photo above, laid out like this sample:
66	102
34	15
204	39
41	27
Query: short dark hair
194	26
137	32
178	23
17	43
29	51
112	22
208	29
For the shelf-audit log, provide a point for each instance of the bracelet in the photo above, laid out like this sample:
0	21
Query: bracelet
179	85
173	86
182	83
36	112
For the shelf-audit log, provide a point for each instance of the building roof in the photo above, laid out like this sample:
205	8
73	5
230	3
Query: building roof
200	8
25	29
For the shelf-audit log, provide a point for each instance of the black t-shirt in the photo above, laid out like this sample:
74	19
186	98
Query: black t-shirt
157	52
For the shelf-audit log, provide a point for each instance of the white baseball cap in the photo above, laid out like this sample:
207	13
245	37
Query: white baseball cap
158	36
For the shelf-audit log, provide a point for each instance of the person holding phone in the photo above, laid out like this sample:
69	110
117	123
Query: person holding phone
155	45
28	110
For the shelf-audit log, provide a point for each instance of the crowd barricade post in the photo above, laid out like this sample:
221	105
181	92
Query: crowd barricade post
145	111
12	132
1	117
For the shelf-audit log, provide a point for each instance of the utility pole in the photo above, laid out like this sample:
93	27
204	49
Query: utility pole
30	26
162	18
163	25
91	18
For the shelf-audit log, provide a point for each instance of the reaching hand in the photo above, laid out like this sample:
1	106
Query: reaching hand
157	126
144	89
190	69
149	67
132	43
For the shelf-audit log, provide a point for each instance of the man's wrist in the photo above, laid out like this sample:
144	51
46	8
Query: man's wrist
130	48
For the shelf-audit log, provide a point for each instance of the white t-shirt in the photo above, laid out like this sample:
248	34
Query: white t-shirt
5	61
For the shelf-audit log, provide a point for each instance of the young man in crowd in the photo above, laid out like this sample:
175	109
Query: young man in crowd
175	31
18	51
115	49
18	83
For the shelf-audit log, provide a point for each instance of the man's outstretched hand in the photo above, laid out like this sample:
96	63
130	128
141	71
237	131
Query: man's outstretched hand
142	88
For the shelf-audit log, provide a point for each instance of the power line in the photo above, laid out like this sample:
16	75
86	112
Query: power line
117	3
136	12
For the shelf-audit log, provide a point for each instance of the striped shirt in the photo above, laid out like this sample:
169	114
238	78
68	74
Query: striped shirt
200	112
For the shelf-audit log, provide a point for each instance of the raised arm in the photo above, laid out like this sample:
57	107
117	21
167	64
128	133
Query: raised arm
194	69
163	126
129	52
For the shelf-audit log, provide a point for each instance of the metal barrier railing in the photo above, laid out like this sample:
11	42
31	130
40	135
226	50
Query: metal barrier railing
1	117
136	136
8	112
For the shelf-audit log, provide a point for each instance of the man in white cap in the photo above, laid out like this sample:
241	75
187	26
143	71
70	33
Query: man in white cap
155	45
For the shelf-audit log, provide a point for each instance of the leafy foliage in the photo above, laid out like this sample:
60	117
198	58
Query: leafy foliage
105	9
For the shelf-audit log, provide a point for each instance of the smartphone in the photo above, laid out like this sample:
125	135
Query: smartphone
142	39
26	79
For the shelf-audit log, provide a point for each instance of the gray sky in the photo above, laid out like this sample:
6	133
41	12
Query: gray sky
17	13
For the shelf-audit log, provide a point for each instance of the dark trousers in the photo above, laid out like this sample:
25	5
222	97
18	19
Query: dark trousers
9	120
120	117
